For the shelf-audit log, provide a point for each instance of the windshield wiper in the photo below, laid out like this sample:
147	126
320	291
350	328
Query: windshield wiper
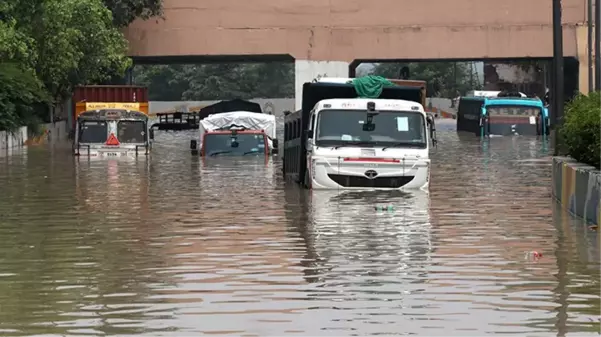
249	152
403	144
365	142
218	152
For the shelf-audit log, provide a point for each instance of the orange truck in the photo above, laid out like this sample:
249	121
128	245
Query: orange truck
92	97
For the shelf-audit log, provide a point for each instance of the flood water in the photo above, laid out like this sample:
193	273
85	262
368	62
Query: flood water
174	246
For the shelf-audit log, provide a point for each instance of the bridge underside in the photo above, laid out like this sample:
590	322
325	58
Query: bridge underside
347	44
325	36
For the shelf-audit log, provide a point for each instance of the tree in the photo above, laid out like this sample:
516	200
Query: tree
77	44
61	43
444	79
165	83
126	11
21	94
217	81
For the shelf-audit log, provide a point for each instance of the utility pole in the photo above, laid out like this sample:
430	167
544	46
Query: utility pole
597	45
591	66
558	78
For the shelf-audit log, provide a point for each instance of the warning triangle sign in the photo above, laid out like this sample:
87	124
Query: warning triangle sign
112	140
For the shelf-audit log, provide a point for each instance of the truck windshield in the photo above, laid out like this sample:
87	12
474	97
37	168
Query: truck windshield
513	110
236	145
131	132
92	132
391	128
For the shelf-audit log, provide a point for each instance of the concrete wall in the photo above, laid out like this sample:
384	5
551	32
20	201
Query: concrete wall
577	188
11	140
52	132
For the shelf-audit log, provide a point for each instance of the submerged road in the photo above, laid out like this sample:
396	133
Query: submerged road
174	246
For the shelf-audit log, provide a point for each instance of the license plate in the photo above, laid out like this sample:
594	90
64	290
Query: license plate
111	154
368	152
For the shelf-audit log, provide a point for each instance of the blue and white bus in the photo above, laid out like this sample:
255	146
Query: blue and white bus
503	116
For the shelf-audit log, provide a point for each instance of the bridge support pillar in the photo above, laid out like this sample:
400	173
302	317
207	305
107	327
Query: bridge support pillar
583	47
307	71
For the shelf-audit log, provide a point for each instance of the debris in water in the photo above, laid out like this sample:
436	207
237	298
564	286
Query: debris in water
384	208
533	255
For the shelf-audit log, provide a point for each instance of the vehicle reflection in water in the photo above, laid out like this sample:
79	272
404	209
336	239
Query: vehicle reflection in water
232	261
365	266
123	179
255	169
76	257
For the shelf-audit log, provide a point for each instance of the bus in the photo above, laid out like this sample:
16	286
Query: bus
502	116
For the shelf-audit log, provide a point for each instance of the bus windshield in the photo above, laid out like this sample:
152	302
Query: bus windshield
92	132
230	144
345	128
513	110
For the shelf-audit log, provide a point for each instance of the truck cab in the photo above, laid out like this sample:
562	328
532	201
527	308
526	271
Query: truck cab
341	139
368	143
112	133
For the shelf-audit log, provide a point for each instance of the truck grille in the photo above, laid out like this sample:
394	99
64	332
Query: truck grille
378	182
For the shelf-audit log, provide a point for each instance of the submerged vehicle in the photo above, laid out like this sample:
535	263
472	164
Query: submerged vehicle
112	133
94	97
236	133
503	115
339	141
190	119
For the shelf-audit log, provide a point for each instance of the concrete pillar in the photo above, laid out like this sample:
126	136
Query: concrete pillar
307	71
582	48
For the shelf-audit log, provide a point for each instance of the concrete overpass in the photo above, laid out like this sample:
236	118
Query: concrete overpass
324	37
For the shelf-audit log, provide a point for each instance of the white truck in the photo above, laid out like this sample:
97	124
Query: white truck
339	141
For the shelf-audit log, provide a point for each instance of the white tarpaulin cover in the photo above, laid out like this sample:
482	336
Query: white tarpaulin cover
249	120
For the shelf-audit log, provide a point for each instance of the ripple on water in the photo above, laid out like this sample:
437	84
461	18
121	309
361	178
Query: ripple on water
174	245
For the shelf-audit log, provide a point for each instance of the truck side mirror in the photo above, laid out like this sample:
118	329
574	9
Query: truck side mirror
151	134
309	134
432	127
276	143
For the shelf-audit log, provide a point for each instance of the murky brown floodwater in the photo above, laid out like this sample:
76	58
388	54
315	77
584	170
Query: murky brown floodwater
173	247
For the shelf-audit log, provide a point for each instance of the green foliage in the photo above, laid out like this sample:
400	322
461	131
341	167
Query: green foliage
444	79
270	80
20	94
217	81
77	44
581	130
49	46
14	44
125	12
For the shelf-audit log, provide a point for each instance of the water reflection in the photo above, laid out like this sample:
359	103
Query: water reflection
74	252
177	245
